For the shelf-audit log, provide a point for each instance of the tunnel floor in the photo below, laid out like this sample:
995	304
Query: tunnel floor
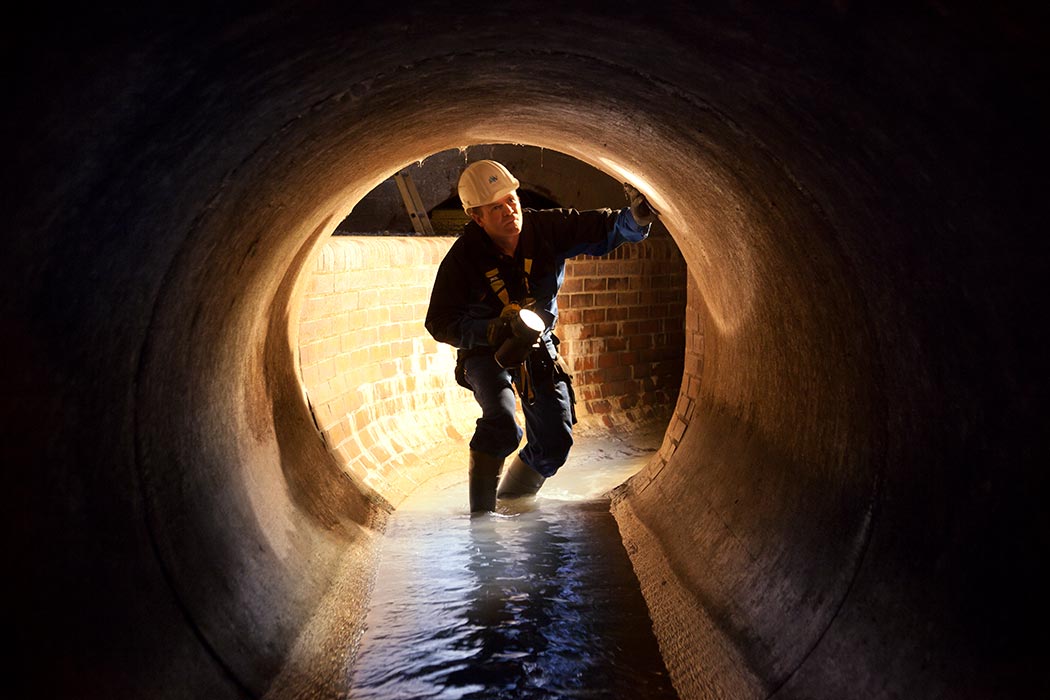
538	600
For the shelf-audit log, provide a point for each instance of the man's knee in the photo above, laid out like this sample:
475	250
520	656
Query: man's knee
558	448
549	453
497	434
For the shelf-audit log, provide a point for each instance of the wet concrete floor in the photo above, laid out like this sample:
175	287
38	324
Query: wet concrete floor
537	600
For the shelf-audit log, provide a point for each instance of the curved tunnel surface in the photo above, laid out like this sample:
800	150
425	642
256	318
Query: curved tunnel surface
846	504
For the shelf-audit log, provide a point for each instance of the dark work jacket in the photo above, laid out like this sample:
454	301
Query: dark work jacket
463	301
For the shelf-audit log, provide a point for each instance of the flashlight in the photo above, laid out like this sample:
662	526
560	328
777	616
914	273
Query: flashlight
526	327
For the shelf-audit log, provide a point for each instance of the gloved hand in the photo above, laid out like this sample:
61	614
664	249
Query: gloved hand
641	211
501	328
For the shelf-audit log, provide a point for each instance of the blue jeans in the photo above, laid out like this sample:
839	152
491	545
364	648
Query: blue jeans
548	420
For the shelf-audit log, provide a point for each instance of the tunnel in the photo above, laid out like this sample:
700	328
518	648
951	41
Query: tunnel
849	497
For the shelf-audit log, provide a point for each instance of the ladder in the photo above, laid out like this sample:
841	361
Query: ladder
416	211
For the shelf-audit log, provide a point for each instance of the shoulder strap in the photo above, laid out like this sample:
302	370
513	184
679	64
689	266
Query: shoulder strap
492	274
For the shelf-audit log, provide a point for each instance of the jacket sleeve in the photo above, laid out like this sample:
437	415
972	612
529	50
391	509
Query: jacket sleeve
453	317
594	232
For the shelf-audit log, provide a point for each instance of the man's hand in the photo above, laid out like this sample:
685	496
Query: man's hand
641	211
500	328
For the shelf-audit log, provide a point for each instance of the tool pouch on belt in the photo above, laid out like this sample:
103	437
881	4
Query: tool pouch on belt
561	372
544	366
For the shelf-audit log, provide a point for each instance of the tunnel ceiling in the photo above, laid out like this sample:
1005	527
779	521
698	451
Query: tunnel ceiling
854	504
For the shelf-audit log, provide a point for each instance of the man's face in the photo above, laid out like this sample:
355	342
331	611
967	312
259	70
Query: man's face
501	219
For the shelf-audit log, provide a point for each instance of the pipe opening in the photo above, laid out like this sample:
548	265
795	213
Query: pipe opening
381	390
742	255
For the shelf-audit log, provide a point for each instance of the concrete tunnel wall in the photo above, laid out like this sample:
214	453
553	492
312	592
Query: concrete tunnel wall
855	507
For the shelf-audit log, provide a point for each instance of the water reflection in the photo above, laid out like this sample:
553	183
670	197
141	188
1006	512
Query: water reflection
535	603
526	604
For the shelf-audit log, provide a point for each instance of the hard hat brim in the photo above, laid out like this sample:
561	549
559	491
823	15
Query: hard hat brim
491	200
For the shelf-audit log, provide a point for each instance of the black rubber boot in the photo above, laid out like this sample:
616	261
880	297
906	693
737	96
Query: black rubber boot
520	480
484	475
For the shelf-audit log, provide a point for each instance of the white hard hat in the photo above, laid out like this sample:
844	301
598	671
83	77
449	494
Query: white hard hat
485	182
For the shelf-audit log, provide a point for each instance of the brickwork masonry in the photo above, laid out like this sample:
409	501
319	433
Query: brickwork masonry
382	390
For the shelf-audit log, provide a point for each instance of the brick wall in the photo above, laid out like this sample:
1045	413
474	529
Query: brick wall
382	391
690	389
621	323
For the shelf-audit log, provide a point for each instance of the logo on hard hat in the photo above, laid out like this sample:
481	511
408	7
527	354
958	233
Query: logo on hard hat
493	178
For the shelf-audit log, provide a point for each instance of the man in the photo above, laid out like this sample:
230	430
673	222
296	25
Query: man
495	298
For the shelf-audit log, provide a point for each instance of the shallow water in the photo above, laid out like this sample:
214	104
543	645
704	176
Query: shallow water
536	601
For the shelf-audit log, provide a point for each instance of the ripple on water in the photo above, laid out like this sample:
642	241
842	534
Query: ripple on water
538	603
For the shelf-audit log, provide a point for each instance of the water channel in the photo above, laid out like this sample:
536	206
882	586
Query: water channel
537	600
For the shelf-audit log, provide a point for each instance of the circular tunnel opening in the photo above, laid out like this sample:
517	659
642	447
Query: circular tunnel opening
774	408
382	392
294	496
